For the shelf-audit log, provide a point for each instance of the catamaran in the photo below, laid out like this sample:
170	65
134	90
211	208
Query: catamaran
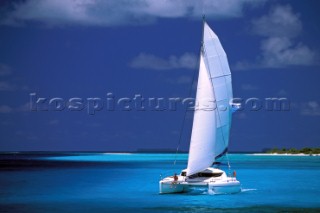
211	125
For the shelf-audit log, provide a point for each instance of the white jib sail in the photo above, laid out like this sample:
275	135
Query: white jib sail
210	131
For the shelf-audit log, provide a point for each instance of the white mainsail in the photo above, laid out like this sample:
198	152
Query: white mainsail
211	124
201	146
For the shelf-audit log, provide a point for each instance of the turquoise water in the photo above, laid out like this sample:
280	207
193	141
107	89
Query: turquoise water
129	183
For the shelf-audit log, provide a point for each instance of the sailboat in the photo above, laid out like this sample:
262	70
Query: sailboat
211	125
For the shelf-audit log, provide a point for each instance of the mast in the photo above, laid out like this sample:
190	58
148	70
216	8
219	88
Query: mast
202	38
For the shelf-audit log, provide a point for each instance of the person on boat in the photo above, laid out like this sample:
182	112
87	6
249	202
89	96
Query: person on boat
175	177
234	173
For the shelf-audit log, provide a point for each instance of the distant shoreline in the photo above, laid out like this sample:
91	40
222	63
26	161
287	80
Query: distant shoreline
105	152
283	154
62	153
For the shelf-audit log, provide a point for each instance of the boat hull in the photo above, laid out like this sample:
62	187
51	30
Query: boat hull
168	187
220	187
211	180
230	187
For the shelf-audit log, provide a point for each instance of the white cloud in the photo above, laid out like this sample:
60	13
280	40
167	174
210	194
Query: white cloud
280	21
281	51
279	48
152	62
119	12
311	108
5	109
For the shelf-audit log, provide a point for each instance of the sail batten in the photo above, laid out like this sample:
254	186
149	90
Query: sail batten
211	126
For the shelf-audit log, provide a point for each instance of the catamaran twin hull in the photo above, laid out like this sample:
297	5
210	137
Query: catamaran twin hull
212	181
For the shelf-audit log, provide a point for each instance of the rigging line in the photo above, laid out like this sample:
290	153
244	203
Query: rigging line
185	115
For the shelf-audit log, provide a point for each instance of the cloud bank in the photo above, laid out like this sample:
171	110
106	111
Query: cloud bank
118	12
279	47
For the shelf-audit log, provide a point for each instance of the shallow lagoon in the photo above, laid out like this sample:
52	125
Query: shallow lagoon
129	182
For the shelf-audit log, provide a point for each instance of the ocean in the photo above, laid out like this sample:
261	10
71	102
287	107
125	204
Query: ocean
124	182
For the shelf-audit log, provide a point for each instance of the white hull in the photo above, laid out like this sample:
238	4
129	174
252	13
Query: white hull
212	185
231	187
169	187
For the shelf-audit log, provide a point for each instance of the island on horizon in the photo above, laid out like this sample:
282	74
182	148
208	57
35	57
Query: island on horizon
294	151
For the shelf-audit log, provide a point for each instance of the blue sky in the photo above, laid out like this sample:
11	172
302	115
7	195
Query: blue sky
87	48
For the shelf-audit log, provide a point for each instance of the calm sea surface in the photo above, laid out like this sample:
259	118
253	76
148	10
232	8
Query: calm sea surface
82	182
